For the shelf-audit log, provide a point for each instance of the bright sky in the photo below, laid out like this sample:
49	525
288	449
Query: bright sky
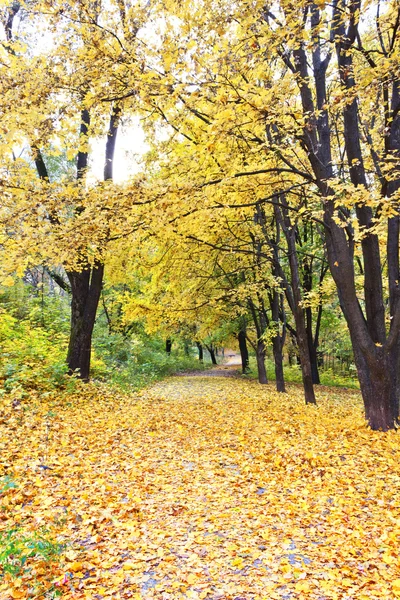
129	148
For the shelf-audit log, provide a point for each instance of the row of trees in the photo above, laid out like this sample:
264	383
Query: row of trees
275	136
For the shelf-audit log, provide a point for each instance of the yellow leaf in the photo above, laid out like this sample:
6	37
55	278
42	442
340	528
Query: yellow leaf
388	558
302	586
237	562
396	585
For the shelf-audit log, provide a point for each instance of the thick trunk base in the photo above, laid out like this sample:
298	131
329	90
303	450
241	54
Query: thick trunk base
378	389
85	288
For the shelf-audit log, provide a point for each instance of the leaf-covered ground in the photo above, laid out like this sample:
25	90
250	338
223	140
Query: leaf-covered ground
201	488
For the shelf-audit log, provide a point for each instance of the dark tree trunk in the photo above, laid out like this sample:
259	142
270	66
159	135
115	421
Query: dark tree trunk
295	301
304	356
378	382
313	337
278	360
168	345
378	373
307	266
200	349
293	291
244	353
260	356
85	289
212	354
86	285
375	351
260	322
278	340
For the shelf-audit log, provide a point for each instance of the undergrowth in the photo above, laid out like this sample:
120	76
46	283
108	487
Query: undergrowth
29	556
293	375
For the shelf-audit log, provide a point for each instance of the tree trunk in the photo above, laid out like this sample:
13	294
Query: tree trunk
304	356
278	360
278	340
296	307
168	346
244	353
312	349
86	284
378	382
212	354
85	288
260	320
200	349
260	355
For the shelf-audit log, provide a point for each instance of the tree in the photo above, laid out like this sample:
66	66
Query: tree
71	220
353	221
336	134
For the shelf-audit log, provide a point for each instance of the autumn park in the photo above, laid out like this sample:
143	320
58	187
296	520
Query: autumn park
199	299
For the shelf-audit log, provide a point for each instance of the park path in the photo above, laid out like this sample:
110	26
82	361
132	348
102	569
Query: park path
202	488
231	366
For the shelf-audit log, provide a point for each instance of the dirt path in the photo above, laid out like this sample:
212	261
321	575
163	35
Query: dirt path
230	367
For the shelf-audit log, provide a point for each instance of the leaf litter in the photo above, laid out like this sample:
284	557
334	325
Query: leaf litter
203	488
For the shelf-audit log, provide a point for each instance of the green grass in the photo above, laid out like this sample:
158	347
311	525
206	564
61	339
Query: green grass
293	375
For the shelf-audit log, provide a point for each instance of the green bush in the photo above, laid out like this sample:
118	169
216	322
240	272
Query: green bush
135	361
34	330
32	357
18	550
147	366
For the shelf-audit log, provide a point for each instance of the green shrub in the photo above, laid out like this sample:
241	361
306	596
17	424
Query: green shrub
7	483
135	361
148	367
32	357
19	550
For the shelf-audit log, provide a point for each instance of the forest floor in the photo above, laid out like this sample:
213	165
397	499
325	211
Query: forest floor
201	487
